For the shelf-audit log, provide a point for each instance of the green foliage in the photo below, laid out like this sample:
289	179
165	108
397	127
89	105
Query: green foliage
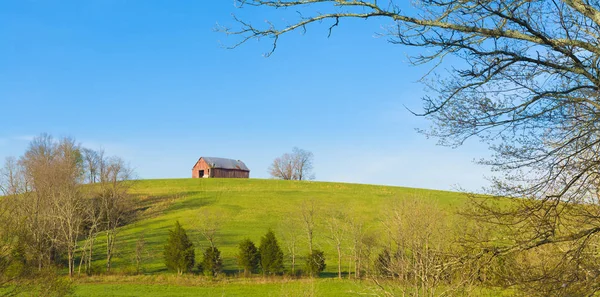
212	264
179	251
14	265
248	256
315	263
49	284
271	256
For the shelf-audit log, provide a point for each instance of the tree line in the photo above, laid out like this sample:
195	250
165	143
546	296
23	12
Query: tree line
414	247
57	198
179	256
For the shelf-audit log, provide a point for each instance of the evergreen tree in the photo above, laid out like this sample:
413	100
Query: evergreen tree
212	264
271	256
248	257
179	251
315	263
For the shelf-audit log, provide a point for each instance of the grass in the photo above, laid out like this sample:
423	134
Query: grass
308	287
160	286
247	209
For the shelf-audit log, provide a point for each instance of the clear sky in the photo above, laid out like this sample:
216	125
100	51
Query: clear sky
151	82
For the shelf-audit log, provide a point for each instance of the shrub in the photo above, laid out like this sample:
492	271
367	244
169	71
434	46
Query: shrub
179	251
248	257
271	256
212	264
315	263
383	264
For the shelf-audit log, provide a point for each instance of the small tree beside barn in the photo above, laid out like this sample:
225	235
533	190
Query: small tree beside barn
210	167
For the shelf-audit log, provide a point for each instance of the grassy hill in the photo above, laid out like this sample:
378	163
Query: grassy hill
247	208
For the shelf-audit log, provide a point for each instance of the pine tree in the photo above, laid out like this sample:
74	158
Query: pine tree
179	251
271	256
315	263
248	257
212	264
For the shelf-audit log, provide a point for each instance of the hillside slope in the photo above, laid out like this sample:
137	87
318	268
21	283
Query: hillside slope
247	208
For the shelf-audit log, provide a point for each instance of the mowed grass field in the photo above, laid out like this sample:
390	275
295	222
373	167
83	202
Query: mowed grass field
246	208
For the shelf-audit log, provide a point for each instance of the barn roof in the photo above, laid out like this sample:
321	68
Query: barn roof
224	163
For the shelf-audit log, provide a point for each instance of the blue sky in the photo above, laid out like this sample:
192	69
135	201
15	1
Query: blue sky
150	81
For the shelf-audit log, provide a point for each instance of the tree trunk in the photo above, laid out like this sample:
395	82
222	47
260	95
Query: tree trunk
108	251
71	261
294	263
339	251
89	258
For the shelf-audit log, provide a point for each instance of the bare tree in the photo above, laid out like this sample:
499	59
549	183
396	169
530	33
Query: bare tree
12	178
303	164
297	165
67	200
116	203
282	167
53	206
359	246
308	213
424	255
209	223
39	164
290	235
336	225
93	221
140	252
92	161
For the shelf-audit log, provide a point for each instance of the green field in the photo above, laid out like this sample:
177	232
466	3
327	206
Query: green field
247	208
304	287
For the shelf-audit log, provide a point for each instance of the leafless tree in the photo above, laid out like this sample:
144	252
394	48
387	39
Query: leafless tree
53	206
140	252
308	213
41	167
360	246
337	233
116	202
93	224
12	178
527	85
424	255
282	167
290	235
208	223
303	164
92	161
297	165
68	201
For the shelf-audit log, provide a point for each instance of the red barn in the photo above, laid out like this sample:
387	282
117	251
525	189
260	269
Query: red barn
220	168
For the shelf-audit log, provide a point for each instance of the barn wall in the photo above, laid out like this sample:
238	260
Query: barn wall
229	173
201	165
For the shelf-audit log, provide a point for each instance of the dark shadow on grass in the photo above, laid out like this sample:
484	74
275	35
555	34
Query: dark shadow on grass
190	203
330	274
